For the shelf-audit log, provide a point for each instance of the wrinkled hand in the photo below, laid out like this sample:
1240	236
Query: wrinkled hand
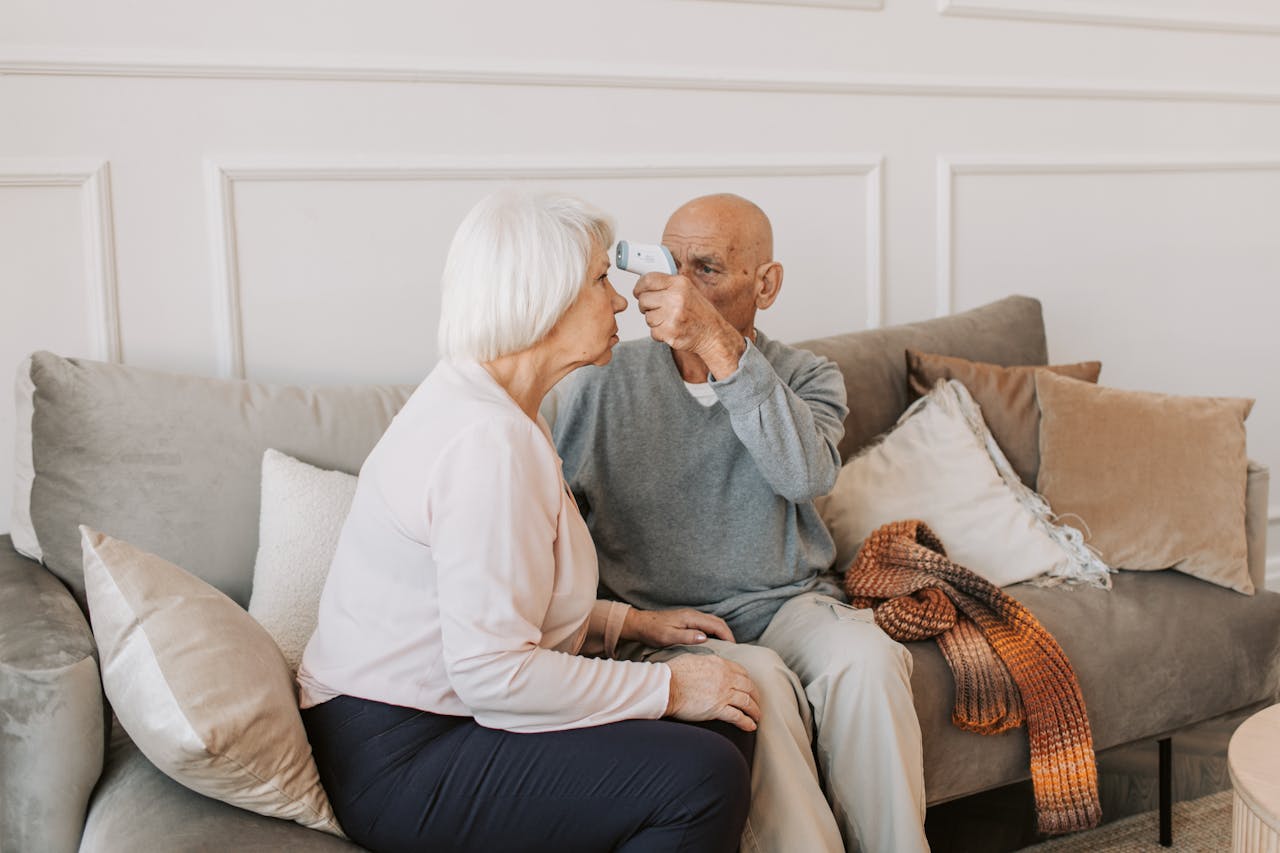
684	626
679	315
706	687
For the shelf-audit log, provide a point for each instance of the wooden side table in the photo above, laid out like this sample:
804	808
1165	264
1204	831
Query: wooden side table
1253	757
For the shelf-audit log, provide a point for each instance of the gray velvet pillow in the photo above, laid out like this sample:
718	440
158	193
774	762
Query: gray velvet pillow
172	463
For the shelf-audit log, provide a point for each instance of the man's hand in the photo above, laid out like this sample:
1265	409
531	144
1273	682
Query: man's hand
706	687
684	626
679	316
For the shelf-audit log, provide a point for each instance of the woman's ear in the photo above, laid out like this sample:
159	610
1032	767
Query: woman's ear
768	283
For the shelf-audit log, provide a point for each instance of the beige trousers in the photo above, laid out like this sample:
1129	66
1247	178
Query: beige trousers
858	682
789	813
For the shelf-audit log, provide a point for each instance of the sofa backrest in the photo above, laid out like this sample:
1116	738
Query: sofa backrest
172	463
1007	332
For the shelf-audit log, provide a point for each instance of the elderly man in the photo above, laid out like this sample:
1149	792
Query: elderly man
696	457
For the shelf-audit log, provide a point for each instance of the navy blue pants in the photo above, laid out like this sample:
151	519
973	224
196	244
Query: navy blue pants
406	780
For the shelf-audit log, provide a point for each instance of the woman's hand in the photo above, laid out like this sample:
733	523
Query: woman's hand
706	687
684	626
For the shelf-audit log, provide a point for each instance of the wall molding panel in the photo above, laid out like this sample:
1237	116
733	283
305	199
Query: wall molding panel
1210	20
221	176
93	179
18	62
949	168
868	5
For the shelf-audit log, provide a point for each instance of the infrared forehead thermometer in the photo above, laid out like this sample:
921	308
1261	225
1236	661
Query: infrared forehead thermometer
641	258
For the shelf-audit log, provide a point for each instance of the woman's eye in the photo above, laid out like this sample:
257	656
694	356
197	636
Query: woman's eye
706	270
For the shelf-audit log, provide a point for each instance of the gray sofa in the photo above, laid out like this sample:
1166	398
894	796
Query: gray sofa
172	464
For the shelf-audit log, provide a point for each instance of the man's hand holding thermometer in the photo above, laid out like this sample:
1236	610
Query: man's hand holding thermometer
676	311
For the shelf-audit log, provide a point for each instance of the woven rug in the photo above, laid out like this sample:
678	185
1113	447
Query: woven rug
1199	826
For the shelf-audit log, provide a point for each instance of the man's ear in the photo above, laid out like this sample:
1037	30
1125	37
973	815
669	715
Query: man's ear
768	283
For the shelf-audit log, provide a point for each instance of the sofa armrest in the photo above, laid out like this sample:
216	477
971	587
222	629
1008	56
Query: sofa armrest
52	726
1255	521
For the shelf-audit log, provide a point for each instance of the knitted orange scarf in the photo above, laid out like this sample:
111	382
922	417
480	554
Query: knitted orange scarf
1008	669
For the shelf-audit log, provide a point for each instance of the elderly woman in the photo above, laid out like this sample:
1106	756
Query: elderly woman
459	691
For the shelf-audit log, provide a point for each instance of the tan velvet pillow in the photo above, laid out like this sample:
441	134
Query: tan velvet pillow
1006	395
1154	481
199	686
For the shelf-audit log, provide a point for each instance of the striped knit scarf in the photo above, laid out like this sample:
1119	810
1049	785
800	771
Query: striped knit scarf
1008	669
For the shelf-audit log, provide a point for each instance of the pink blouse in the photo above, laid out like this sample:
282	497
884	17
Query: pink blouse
464	581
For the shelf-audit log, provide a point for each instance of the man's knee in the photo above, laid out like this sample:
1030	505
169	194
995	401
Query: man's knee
844	642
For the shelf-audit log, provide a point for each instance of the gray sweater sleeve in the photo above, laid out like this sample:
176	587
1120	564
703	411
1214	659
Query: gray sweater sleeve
791	428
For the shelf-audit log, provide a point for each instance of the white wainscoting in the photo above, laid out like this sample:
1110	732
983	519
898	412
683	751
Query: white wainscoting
850	296
871	5
57	265
46	62
1210	16
1158	266
951	167
269	165
97	237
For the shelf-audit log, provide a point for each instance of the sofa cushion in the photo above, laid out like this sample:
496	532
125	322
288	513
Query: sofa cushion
199	685
52	728
940	464
1160	651
1154	481
1007	396
303	511
172	463
1010	331
137	808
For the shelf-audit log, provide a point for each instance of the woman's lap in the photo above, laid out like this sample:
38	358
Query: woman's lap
401	779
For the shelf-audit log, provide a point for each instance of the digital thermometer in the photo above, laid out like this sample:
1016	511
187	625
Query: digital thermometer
640	258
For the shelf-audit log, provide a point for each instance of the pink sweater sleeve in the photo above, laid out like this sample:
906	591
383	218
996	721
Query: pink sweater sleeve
493	508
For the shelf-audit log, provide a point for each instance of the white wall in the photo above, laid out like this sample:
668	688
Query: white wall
267	191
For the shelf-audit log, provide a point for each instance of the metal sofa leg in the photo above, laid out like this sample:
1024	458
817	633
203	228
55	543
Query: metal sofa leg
1166	792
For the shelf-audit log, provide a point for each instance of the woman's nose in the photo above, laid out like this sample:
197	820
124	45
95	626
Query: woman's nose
619	301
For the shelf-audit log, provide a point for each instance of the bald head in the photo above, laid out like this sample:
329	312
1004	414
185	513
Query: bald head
736	224
724	245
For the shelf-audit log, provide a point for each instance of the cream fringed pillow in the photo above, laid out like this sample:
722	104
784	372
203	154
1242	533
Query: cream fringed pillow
940	465
199	686
303	510
1155	481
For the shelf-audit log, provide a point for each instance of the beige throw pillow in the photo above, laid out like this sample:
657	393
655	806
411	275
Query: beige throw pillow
199	686
303	510
941	465
1007	396
1155	481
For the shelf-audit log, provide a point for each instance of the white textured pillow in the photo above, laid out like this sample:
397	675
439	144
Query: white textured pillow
940	465
199	686
303	510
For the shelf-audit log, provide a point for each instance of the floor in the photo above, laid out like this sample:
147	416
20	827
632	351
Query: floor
1004	819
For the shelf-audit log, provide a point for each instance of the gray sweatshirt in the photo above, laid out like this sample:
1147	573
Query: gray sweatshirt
709	507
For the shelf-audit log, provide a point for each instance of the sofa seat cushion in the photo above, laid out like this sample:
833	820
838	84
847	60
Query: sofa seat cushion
1158	652
136	807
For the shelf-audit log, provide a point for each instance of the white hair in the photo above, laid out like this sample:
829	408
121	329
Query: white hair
516	264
